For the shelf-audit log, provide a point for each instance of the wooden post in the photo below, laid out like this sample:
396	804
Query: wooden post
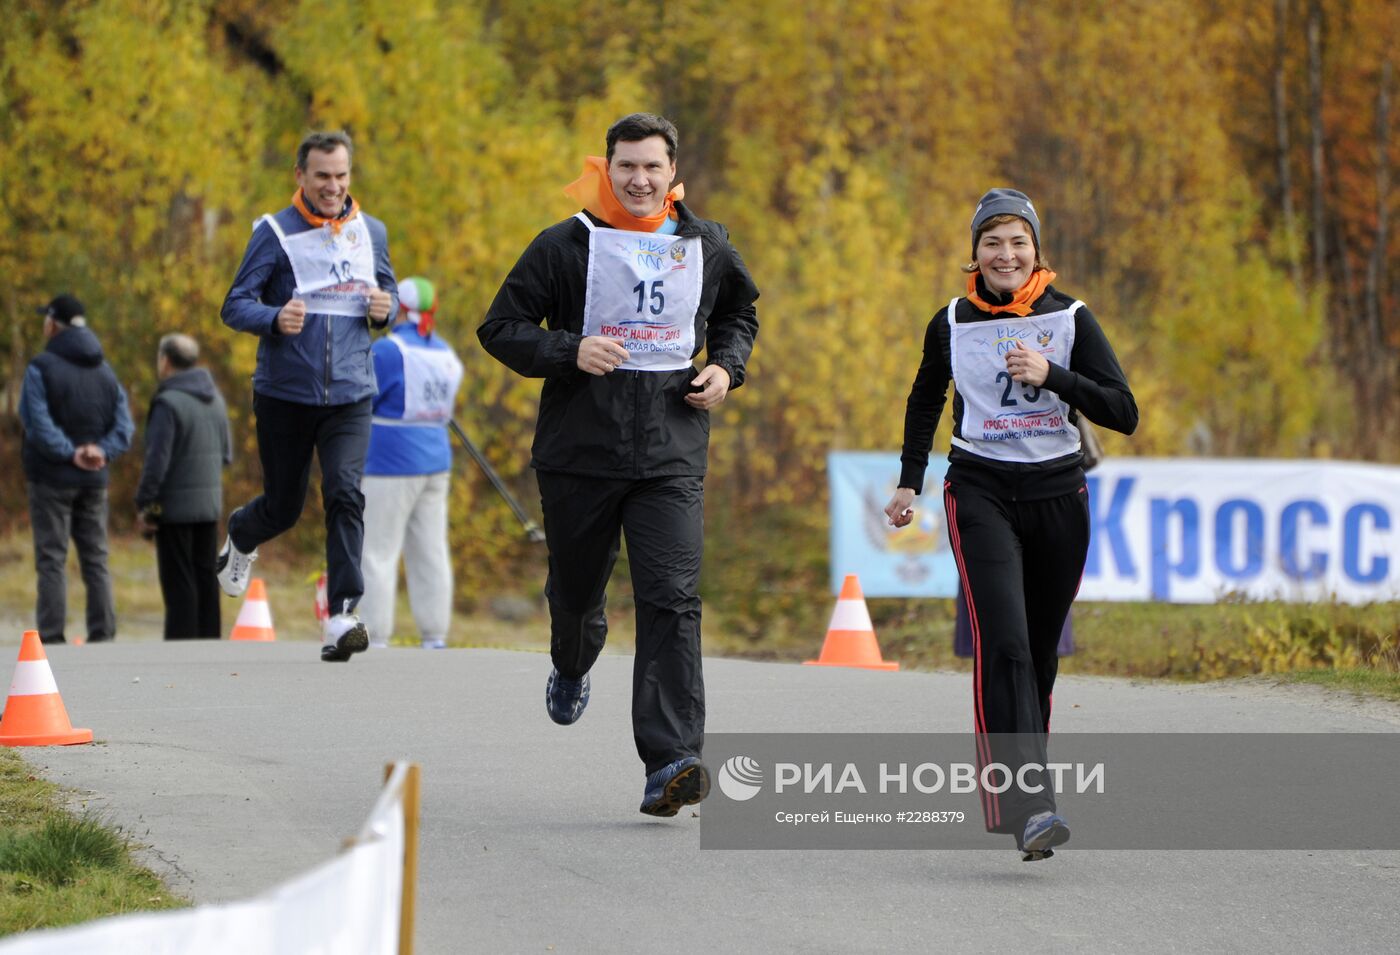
408	895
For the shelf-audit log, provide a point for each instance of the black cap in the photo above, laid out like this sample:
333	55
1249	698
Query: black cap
64	309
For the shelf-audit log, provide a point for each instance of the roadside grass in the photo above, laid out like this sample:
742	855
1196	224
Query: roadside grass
1235	638
1361	682
1189	642
786	620
291	593
57	868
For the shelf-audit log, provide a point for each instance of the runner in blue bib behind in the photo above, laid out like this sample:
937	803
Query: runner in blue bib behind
407	473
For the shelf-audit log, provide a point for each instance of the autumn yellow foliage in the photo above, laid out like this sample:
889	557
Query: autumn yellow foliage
843	142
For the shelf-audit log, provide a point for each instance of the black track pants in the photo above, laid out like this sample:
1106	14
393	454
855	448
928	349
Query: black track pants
288	434
189	583
663	520
1021	563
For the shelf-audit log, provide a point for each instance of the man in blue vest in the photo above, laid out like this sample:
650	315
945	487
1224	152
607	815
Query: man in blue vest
76	422
315	277
406	476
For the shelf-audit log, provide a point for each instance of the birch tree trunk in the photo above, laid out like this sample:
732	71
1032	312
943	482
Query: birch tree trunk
1319	203
1375	270
1285	165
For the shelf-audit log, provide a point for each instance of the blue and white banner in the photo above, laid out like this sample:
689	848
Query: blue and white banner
1179	530
913	561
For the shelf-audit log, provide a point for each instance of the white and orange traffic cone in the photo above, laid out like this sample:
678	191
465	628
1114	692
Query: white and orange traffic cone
255	616
323	601
850	637
34	714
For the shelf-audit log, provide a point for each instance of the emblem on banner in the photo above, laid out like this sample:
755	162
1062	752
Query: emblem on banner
923	537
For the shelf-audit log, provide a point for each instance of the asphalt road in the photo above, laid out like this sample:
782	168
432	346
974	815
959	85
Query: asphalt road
244	764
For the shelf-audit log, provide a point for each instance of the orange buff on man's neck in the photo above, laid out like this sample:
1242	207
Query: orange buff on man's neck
1021	302
593	190
299	202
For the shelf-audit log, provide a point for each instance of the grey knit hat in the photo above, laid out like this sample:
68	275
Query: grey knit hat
1005	202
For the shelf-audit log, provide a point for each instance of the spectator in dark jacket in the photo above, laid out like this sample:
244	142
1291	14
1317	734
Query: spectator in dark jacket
180	498
75	421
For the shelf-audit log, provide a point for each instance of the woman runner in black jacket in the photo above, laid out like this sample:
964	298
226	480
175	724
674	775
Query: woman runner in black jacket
1026	360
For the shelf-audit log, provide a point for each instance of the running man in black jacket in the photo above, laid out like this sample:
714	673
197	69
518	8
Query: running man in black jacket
1025	360
610	307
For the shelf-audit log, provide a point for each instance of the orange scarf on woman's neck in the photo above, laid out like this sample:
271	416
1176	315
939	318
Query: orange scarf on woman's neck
593	190
317	220
1021	302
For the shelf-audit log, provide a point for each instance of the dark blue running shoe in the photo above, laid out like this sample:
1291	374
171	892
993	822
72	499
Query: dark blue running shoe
565	699
1044	831
682	782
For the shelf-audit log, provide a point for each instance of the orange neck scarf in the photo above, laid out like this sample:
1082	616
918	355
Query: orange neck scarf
1021	302
593	190
317	220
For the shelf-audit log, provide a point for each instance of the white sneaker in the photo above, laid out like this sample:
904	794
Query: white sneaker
434	644
235	568
344	635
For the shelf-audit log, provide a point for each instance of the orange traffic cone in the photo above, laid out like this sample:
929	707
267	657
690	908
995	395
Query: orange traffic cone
323	601
255	616
850	637
34	715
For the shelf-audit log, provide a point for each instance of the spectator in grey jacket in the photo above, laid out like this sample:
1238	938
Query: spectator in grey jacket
76	422
180	498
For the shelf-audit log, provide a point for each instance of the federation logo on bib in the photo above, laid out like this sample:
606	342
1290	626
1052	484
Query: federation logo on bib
650	255
1004	340
330	241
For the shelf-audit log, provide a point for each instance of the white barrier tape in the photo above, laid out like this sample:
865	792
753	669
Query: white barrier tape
346	906
32	678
